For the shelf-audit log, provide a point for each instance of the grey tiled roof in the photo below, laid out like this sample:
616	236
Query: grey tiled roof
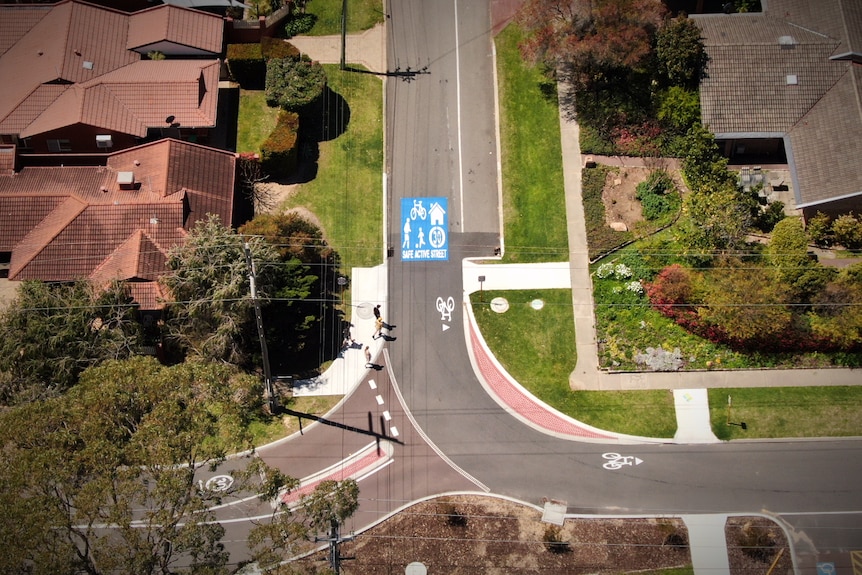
748	92
746	89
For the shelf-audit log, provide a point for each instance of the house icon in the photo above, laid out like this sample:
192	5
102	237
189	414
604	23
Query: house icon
437	212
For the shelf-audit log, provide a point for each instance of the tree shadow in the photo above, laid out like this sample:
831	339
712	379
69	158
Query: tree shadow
323	120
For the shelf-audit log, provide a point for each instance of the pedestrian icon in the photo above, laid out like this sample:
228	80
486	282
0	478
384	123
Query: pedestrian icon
424	234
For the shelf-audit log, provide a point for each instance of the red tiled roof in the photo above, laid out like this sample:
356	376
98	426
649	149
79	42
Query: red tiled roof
139	257
149	295
136	97
200	32
17	21
66	223
84	45
56	48
22	214
7	159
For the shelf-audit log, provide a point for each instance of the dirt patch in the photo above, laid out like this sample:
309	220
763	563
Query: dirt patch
754	544
621	206
471	534
274	197
462	535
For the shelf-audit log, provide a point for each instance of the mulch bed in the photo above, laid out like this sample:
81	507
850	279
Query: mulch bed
463	535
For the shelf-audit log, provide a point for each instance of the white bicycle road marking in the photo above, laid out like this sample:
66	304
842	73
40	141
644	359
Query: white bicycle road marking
617	461
445	308
216	483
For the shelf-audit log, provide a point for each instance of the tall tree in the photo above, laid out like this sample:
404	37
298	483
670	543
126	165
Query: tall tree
102	480
211	314
584	37
681	56
307	298
719	213
292	529
50	333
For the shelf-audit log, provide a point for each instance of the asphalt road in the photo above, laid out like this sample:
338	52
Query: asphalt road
440	142
814	485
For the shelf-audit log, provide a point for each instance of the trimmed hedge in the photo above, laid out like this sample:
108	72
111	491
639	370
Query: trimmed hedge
299	24
247	65
278	153
278	48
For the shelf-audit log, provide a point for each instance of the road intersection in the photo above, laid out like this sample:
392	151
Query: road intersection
442	417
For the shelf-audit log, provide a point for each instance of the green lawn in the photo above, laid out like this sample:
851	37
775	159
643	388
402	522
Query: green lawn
537	347
534	207
361	15
786	412
256	121
347	192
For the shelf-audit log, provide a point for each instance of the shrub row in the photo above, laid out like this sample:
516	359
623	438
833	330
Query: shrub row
247	62
278	153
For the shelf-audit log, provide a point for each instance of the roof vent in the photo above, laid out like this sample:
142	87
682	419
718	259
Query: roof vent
88	65
126	180
792	79
786	41
104	189
154	220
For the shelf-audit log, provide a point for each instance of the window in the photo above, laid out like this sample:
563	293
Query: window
59	146
104	141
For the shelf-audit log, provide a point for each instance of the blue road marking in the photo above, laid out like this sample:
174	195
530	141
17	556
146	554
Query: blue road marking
424	229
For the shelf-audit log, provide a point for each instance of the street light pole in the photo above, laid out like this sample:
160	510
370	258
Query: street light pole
269	394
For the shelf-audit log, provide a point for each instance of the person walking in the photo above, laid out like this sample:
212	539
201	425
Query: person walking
368	357
378	325
377	311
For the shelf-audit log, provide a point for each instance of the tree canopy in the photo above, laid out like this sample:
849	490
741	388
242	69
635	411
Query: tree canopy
102	479
294	83
583	37
211	312
292	530
681	56
307	298
51	332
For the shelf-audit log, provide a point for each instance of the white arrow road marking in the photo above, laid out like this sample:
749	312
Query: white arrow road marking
445	326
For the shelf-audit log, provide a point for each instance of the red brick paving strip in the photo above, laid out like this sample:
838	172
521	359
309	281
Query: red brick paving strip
516	400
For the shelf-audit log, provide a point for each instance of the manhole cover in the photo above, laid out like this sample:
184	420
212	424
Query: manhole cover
365	310
499	304
537	304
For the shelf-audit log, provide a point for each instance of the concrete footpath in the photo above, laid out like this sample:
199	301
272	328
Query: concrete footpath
706	532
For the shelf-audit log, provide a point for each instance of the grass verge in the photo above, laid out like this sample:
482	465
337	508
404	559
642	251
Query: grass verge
361	15
347	192
534	207
256	121
537	348
267	431
786	412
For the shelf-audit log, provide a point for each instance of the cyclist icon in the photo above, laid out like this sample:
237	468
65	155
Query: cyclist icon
418	210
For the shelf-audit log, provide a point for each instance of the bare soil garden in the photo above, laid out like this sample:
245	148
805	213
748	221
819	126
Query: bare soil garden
472	534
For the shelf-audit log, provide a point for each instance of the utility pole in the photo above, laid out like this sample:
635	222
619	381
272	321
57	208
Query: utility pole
268	392
334	539
343	33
